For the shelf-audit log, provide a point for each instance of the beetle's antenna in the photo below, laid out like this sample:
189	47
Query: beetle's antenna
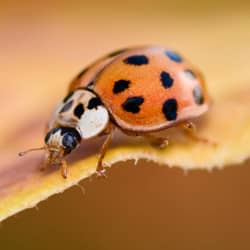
29	150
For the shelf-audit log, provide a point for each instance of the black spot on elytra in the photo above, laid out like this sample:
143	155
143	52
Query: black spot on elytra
132	104
173	56
82	72
166	80
169	109
67	97
198	95
79	110
66	107
117	52
120	86
190	74
94	103
136	60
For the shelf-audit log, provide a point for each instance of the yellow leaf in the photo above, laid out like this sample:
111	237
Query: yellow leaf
228	123
40	54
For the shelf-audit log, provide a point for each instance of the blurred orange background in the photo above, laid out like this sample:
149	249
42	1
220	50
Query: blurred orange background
43	45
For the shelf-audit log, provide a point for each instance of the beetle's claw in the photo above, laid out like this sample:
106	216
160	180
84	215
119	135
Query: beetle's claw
101	173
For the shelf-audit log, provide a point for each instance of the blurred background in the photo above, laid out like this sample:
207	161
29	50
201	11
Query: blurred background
43	45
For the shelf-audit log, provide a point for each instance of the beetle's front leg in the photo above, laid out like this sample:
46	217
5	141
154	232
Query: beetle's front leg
100	171
64	169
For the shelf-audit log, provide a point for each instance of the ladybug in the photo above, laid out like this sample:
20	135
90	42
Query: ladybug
138	90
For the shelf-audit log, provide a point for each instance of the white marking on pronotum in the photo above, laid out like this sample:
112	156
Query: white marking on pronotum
93	122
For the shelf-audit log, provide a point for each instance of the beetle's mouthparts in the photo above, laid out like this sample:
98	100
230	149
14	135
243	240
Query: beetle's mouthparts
54	157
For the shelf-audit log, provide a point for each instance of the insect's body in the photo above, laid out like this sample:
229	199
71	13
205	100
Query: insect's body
138	90
146	89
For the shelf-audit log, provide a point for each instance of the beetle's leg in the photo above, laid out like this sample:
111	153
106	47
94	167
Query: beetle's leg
160	142
100	169
189	128
64	169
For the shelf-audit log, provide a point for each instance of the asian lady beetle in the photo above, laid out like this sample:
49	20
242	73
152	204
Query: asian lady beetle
139	90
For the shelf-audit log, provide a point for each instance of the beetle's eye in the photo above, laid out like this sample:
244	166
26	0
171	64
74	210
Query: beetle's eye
69	141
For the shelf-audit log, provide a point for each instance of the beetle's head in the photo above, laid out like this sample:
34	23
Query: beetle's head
59	142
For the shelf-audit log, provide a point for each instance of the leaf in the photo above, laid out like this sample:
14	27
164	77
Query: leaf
35	71
22	185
